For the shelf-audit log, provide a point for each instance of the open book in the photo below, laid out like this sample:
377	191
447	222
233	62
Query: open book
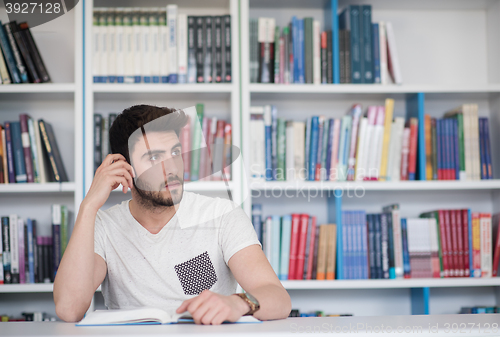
144	315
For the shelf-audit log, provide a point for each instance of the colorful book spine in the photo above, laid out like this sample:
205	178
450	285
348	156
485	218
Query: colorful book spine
376	53
286	235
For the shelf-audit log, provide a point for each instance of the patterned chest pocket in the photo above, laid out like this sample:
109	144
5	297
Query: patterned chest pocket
196	274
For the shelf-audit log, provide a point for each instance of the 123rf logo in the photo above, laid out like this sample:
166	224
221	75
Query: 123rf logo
36	13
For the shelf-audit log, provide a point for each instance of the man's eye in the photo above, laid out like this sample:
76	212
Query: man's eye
176	152
153	157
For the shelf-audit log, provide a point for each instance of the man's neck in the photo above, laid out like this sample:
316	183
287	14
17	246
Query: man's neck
152	219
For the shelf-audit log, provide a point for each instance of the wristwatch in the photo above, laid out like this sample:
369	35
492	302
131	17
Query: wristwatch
251	301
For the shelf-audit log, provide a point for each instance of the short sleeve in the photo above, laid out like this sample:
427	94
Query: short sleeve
237	232
99	237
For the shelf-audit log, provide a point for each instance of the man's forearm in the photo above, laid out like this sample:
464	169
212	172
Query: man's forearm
274	302
74	283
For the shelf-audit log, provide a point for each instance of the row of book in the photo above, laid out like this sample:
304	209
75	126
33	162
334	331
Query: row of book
296	53
374	146
27	256
160	45
367	51
317	313
480	310
204	162
29	152
20	60
36	316
442	243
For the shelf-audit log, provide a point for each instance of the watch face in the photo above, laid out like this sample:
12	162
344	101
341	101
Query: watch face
253	299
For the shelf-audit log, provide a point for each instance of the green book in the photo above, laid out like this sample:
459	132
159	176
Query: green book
64	228
326	132
308	49
461	146
196	141
281	172
277	55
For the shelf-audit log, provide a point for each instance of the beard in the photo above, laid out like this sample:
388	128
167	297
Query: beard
152	200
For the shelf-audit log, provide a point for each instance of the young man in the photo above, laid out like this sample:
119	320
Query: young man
165	247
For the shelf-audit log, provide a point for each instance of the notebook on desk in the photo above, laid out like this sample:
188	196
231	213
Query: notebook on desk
142	316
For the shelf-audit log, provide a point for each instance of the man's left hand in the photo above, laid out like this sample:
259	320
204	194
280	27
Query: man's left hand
212	308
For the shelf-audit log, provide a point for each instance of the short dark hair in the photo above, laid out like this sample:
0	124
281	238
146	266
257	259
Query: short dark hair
136	117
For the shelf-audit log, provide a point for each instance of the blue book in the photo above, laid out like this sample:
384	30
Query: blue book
439	151
9	56
313	151
308	143
378	246
257	220
17	150
324	149
406	254
390	246
296	50
301	61
364	244
31	253
366	44
331	121
371	245
489	169
349	19
268	139
345	255
319	153
376	53
10	153
274	140
276	242
415	108
344	146
286	235
358	235
335	41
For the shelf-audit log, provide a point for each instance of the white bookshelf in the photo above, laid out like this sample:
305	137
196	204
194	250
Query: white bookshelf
430	37
59	103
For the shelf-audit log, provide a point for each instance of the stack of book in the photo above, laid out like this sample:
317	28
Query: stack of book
27	256
374	147
297	53
29	152
36	316
367	51
160	45
480	310
206	145
317	313
20	60
441	243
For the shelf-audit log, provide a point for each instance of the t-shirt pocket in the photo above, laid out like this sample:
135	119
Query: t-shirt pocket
196	274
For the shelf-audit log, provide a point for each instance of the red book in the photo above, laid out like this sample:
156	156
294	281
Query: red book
465	236
412	159
227	153
454	242
185	139
304	221
444	244
294	244
460	241
496	242
218	150
312	242
449	244
25	137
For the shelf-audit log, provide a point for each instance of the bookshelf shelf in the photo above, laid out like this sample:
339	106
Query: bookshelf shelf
29	288
198	186
38	188
38	88
163	88
392	284
487	185
272	88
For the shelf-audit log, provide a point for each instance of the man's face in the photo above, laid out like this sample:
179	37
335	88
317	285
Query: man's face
157	161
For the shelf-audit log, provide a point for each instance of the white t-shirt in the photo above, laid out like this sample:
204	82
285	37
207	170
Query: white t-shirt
188	255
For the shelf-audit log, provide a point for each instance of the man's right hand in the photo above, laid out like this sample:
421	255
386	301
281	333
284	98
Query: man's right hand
113	171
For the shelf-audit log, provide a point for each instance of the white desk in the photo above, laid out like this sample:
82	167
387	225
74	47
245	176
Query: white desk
437	325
